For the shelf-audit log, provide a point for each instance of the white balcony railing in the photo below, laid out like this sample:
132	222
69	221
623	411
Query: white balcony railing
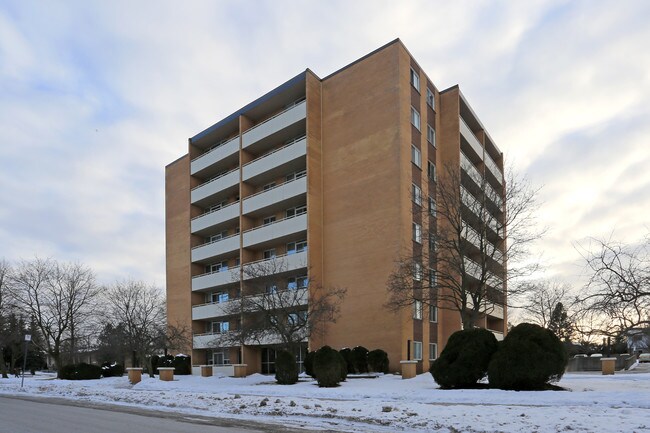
290	152
215	279
492	166
213	309
479	210
276	123
209	340
212	218
277	264
275	230
474	238
470	169
277	194
474	269
215	185
214	155
216	248
471	138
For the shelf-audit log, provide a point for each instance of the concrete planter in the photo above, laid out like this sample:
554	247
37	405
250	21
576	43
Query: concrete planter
206	370
135	375
409	369
240	370
166	373
608	365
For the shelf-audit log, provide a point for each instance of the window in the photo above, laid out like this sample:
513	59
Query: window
430	99
218	236
218	297
416	156
217	206
295	211
433	351
300	282
432	278
269	254
417	195
296	175
268	186
417	272
415	80
417	309
415	118
431	135
296	247
417	350
431	170
219	327
217	267
221	357
432	207
432	242
298	318
271	288
433	313
417	233
269	220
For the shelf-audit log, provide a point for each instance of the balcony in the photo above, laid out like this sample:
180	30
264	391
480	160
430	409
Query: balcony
277	159
229	180
470	169
215	279
276	265
215	248
480	211
469	136
494	169
473	237
280	193
275	231
474	270
280	121
209	340
213	156
210	219
213	310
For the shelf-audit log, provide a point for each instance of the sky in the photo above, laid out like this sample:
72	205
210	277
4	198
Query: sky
97	97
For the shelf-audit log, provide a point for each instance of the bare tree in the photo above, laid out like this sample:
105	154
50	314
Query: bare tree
540	299
463	267
617	295
140	309
5	269
57	296
278	311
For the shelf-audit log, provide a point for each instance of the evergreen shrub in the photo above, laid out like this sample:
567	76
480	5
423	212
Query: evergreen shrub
112	369
529	358
182	365
360	359
346	353
329	367
309	363
286	368
465	359
378	361
81	371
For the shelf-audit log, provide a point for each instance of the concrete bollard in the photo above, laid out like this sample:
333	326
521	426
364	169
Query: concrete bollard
135	375
409	369
206	370
608	365
240	370
166	373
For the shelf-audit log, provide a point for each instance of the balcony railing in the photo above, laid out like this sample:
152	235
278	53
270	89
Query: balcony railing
275	265
215	279
214	217
492	166
277	229
471	138
226	180
215	248
214	155
275	123
214	309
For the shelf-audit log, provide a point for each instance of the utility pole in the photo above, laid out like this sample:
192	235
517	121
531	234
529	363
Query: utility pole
28	338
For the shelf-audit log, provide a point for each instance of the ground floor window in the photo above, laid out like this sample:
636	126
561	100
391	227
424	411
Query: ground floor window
417	350
433	351
268	361
219	357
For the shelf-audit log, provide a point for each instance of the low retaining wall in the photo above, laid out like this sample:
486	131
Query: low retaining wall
594	364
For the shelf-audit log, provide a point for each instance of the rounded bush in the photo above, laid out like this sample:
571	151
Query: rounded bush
182	364
360	359
80	371
112	369
328	367
528	359
465	359
309	363
346	353
343	366
286	368
378	361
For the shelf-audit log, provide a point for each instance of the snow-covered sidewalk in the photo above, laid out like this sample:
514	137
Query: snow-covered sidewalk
619	403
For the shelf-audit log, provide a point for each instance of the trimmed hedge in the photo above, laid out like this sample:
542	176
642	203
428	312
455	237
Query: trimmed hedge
286	368
80	371
309	363
378	361
329	367
465	359
360	359
346	353
112	369
529	358
182	364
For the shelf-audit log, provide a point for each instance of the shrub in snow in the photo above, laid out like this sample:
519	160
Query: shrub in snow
309	363
528	358
286	369
360	359
346	353
112	369
329	367
80	371
182	364
465	359
378	361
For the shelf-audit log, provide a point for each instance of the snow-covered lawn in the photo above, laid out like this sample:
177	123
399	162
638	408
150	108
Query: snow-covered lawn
595	403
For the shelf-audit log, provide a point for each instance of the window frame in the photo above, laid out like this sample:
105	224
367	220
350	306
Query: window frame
431	99
417	347
431	171
431	135
433	207
416	194
417	309
415	116
433	318
415	80
417	272
267	221
433	346
416	156
417	233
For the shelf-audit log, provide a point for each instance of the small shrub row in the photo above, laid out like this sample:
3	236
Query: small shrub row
81	371
112	369
527	359
181	363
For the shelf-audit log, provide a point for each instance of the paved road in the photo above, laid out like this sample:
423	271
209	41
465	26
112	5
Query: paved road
60	416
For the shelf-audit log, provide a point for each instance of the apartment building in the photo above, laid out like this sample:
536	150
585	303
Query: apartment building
318	176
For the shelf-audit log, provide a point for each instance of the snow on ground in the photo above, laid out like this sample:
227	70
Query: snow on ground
619	403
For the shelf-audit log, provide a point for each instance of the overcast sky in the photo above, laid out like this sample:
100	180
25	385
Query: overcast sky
96	98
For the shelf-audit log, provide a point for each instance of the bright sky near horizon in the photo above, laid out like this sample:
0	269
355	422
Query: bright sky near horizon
97	97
